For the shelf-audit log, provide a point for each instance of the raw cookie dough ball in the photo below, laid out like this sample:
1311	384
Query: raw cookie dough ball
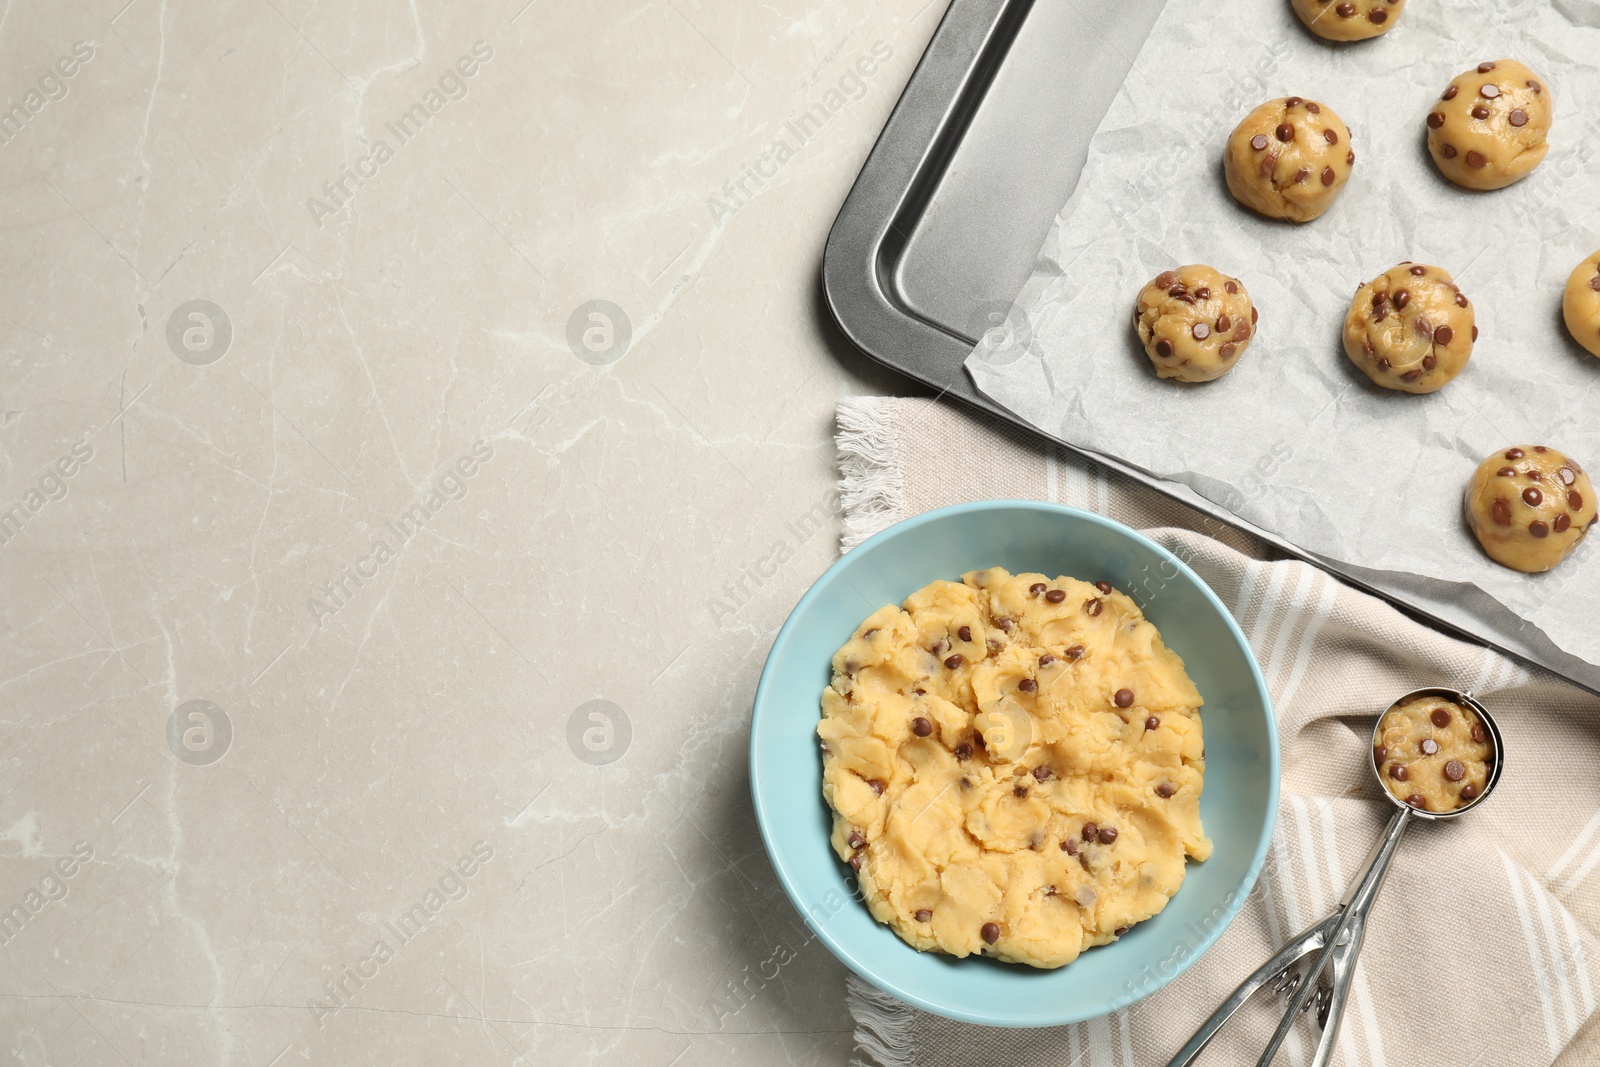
1580	305
1433	754
1348	20
1489	127
1529	506
1288	159
1410	329
1194	323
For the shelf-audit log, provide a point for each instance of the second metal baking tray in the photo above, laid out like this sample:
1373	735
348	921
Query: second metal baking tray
941	228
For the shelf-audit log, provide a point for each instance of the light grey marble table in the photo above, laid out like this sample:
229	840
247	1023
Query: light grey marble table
415	423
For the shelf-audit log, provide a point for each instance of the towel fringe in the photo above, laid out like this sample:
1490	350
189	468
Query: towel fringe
871	490
883	1026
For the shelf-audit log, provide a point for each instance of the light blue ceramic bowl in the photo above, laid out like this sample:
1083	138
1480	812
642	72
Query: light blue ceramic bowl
1238	806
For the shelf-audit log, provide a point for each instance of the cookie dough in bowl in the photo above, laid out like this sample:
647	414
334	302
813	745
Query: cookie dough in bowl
1410	329
1490	126
1194	323
1433	753
1348	20
1580	304
1529	506
1288	159
1014	764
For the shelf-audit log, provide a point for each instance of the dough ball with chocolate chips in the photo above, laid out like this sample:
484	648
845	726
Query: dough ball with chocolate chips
1410	328
1580	305
1348	20
1288	159
1194	323
1489	127
1529	506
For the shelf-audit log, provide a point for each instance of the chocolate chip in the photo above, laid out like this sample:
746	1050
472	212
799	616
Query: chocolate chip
1563	523
1448	151
1123	698
1119	931
1056	596
1103	586
1107	835
1535	86
1533	497
1538	528
1165	790
1227	350
963	751
939	646
1285	132
1379	753
1091	606
855	840
1477	159
1028	685
855	862
1507	472
1535	476
1164	279
1259	142
1200	331
920	692
1203	293
877	785
1036	589
1379	299
1090	832
1378	15
1484	68
1330	136
1151	723
1419	271
1005	624
1313	107
1328	176
1489	90
1469	791
993	644
1350	157
1233	286
921	726
1344	11
1398	772
1515	453
1429	746
1417	800
965	633
1566	475
922	915
1020	791
1402	297
1519	118
1070	846
954	661
1254	315
1450	93
990	932
1430	360
1480	112
1422	327
1501	512
1479	734
1164	348
1046	659
1461	301
1291	102
1074	653
1455	770
1042	773
1302	174
1440	717
1575	500
1435	119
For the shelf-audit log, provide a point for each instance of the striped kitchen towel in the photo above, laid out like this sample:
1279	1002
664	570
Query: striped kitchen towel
1484	948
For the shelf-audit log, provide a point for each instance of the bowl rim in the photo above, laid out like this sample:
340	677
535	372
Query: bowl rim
1066	1016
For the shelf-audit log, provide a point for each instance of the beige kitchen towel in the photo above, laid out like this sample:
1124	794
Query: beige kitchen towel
1484	948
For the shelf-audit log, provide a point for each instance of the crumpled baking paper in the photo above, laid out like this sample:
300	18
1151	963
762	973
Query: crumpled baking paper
1294	438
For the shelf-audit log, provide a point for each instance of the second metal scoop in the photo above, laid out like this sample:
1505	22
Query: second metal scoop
1334	943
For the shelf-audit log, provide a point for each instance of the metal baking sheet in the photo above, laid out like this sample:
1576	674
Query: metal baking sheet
942	225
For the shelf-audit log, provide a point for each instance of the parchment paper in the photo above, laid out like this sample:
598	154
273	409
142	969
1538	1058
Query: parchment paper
1295	439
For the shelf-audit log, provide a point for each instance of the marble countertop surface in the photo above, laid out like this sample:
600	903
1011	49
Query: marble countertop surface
415	423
